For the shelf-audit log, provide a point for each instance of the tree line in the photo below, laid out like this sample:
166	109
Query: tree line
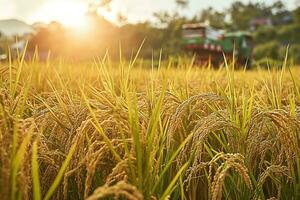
274	27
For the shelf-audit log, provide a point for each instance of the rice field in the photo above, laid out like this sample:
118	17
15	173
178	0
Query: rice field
137	130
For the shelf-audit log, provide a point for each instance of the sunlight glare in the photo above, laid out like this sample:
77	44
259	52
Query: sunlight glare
70	13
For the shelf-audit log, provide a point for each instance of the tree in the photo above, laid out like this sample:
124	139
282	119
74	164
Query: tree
215	18
121	19
182	3
241	14
94	5
294	52
280	15
267	50
265	34
164	18
51	38
278	7
296	14
289	34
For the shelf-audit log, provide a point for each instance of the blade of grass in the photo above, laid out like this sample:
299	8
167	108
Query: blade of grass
169	163
17	161
99	128
172	184
35	172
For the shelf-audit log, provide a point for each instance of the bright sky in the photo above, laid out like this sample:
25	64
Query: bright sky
66	11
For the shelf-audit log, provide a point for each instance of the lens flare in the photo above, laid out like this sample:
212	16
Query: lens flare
70	13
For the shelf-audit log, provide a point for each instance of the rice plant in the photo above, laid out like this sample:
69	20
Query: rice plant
129	130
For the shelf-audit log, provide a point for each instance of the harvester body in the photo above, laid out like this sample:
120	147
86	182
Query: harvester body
210	44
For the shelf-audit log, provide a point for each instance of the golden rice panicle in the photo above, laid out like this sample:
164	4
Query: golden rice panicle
274	132
233	162
119	172
204	127
120	189
98	156
189	111
280	172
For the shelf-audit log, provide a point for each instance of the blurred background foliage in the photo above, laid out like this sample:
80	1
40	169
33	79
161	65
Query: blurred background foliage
274	27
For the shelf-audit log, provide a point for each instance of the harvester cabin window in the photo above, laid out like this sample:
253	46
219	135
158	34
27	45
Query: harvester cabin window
249	41
193	32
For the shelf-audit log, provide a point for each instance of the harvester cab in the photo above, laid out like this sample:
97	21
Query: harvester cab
209	44
240	43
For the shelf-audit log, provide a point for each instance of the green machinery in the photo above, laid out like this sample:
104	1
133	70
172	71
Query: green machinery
210	44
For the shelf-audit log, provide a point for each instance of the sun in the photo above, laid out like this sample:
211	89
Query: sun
69	13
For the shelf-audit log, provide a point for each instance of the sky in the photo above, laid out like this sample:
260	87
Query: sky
32	11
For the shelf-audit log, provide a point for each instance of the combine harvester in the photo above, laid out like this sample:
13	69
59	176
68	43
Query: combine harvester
209	44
